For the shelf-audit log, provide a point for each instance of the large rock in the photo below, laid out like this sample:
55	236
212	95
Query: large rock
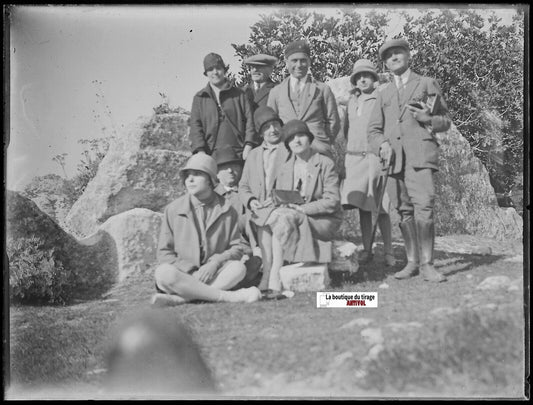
93	259
140	170
135	234
466	201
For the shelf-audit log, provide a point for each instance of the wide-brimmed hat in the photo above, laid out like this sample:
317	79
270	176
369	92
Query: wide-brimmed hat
392	43
202	162
298	46
261	60
293	128
363	66
212	60
263	115
226	155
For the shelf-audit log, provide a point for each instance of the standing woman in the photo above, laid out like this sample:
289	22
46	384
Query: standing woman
360	187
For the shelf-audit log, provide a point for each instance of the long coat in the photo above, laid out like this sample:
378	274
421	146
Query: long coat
318	111
323	214
259	98
205	119
252	183
179	240
360	187
390	120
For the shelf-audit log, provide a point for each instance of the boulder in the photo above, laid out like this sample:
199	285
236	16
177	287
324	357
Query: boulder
304	277
135	234
466	202
93	260
140	170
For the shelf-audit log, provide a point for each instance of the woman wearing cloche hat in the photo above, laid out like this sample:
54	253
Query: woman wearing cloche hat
360	187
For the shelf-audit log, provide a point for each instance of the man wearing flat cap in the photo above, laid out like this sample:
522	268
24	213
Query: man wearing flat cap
401	130
302	97
221	114
261	67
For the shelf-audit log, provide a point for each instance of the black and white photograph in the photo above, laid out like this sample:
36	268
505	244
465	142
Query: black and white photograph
314	201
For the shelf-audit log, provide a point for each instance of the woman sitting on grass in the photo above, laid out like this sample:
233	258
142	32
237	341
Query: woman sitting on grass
200	250
293	232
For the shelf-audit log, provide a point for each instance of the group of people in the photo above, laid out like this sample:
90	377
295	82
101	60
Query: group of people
263	189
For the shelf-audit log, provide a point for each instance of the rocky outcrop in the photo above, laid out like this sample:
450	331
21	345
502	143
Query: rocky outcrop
92	260
135	234
140	170
466	201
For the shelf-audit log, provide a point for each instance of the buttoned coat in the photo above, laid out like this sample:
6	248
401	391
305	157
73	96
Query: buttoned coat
318	111
391	121
204	122
179	240
259	98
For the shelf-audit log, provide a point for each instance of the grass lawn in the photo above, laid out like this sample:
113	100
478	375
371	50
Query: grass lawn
443	340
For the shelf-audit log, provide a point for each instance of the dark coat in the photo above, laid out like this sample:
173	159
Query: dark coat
391	121
204	121
259	98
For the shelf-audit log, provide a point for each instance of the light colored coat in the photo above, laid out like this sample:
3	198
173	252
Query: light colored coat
252	183
179	240
323	214
319	108
391	121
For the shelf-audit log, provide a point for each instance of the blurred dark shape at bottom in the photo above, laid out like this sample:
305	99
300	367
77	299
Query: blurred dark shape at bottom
152	355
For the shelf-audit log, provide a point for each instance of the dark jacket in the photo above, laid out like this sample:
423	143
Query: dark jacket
205	119
259	98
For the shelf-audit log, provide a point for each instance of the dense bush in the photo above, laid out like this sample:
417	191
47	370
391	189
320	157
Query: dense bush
479	63
36	276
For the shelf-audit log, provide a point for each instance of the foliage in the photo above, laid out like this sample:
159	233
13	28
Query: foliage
336	43
479	64
36	276
91	158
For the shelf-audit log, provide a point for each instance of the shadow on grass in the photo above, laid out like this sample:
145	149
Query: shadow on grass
446	263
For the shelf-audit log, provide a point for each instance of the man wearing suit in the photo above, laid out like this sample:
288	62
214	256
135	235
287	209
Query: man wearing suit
301	97
261	67
404	135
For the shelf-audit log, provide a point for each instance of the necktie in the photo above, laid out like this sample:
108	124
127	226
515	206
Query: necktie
401	89
298	88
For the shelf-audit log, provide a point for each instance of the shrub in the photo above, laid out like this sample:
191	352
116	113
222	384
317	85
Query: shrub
36	276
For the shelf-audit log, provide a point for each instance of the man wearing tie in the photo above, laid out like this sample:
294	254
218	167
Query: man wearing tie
401	130
261	67
301	97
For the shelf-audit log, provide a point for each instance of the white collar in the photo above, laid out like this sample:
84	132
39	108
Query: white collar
404	77
297	82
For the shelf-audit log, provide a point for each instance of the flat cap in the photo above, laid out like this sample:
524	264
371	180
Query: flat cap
298	46
261	60
393	43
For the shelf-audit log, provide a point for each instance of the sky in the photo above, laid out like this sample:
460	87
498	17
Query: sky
85	72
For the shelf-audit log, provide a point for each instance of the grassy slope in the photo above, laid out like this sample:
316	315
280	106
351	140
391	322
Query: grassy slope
290	347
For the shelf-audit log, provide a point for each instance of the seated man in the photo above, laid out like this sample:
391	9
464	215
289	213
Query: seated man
229	172
200	248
